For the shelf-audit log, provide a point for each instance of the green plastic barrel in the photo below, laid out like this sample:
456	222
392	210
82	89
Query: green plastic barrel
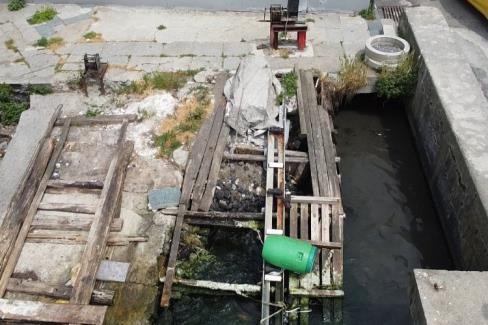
288	253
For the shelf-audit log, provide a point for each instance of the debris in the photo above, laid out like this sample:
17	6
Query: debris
163	198
251	96
112	271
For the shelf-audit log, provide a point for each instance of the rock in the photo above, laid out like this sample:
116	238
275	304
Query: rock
180	157
204	76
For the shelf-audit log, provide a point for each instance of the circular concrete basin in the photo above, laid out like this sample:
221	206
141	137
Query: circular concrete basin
384	50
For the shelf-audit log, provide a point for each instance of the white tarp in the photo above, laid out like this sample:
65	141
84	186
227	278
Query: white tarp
251	96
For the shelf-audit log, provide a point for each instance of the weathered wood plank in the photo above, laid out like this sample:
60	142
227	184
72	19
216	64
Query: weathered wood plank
293	220
35	311
101	119
231	223
314	199
99	296
79	238
249	157
68	207
218	214
316	293
212	141
304	221
59	183
24	230
55	220
241	148
325	256
301	104
236	288
99	231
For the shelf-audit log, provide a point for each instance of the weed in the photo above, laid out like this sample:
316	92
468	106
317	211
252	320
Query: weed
167	143
42	42
162	55
40	89
368	13
10	109
90	35
10	44
93	112
51	43
289	84
46	13
21	60
14	5
161	27
75	82
159	80
349	80
398	82
188	118
187	55
197	263
310	20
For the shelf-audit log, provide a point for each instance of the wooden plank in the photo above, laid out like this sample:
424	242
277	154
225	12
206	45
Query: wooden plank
301	104
218	214
232	223
35	311
215	169
237	288
315	231
24	230
268	219
101	119
212	142
68	221
310	141
241	148
316	293
99	296
79	238
304	221
337	258
68	207
99	231
325	254
18	209
326	244
249	157
314	199
293	220
60	183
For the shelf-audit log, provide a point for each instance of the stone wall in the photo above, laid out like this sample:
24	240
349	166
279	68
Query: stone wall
449	118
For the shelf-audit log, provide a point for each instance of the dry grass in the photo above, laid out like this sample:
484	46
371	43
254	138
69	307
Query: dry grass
180	128
349	80
92	37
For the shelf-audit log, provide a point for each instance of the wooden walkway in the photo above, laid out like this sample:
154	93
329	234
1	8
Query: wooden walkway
46	212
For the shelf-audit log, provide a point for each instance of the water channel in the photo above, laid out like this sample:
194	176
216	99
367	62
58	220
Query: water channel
391	228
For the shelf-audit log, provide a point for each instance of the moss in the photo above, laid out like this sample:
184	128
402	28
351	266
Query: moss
42	15
195	264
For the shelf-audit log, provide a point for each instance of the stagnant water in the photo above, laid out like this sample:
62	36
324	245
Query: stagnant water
391	226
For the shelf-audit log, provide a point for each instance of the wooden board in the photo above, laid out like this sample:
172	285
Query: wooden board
99	296
101	119
293	220
97	237
301	104
24	230
54	220
34	311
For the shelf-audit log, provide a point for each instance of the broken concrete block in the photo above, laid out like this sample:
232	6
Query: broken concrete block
163	198
112	271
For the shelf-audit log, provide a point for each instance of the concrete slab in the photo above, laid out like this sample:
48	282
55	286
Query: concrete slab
193	48
441	297
238	48
34	126
231	63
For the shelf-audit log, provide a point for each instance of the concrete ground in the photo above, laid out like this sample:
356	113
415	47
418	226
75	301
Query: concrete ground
188	40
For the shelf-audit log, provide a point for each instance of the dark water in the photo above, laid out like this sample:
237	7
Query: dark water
391	226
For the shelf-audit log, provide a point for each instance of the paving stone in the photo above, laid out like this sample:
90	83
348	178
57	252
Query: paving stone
207	63
72	66
82	48
70	11
355	32
281	63
121	60
112	271
231	63
193	48
163	198
136	61
238	48
333	50
176	64
41	61
122	75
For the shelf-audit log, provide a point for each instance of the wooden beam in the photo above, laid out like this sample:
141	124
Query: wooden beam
20	205
317	293
59	183
67	207
24	230
315	199
68	221
78	238
35	311
240	289
248	157
324	244
240	148
218	215
301	104
99	231
99	296
102	119
212	141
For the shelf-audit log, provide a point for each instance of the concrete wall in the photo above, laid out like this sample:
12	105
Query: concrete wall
448	297
449	118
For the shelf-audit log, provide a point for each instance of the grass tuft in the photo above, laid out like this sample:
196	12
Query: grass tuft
160	81
92	36
10	108
51	43
398	82
368	13
350	79
93	112
289	84
14	5
42	15
10	44
40	89
161	27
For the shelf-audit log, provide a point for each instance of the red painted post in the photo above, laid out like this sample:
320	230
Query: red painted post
301	40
